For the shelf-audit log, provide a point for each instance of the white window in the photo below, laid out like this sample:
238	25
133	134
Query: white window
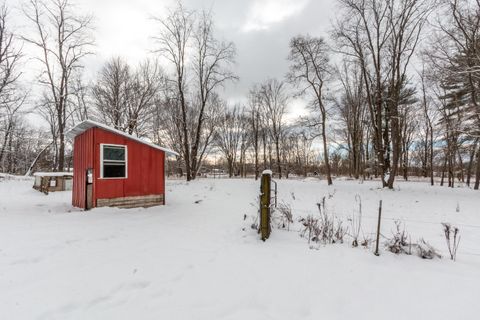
113	161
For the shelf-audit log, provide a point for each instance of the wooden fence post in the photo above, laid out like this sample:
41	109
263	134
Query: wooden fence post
266	181
378	227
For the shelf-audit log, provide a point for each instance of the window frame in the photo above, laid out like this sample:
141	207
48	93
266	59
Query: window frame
102	145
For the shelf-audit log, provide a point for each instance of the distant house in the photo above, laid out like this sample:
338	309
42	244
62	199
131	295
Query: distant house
53	181
113	168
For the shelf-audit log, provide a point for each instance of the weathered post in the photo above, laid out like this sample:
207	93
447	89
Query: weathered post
266	181
378	227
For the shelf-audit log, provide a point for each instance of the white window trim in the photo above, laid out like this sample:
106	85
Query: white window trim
101	160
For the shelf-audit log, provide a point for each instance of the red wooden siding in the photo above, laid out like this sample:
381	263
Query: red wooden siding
82	159
145	168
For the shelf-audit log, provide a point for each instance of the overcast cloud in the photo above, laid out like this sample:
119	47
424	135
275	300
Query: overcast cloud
260	29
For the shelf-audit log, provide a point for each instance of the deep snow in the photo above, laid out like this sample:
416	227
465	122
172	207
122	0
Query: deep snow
191	259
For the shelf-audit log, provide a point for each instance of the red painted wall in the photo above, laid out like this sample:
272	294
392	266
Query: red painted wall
82	159
145	168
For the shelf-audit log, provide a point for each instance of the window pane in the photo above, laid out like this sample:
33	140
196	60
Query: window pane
114	153
113	170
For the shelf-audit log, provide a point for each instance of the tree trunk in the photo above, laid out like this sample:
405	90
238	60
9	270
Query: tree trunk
279	161
462	169
61	150
431	154
241	163
477	172
257	171
471	161
270	160
186	144
230	167
443	170
325	150
5	139
425	155
395	132
264	140
255	127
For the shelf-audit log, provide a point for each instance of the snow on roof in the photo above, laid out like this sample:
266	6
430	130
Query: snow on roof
87	124
53	174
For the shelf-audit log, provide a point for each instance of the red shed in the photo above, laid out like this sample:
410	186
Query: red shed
113	168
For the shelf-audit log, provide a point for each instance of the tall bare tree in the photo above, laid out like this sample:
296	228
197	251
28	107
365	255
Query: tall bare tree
383	37
110	92
255	116
454	60
63	39
80	101
148	82
310	70
201	65
273	99
229	134
12	96
352	111
429	128
244	143
125	97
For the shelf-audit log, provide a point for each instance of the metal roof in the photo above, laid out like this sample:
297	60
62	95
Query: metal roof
87	124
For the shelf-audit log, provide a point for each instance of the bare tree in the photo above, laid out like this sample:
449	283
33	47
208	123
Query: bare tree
406	19
352	110
125	97
173	40
80	101
110	93
183	30
309	70
383	36
12	96
229	135
454	57
245	142
63	40
147	83
429	134
408	124
212	60
167	120
20	147
362	34
273	100
256	122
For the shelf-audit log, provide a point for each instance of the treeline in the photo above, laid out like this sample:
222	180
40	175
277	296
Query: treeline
393	91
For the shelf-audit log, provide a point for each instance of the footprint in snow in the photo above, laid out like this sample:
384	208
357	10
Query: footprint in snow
198	201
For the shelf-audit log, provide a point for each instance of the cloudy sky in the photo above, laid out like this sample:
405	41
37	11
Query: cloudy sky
260	29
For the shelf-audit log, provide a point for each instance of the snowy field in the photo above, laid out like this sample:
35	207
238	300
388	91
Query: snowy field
191	259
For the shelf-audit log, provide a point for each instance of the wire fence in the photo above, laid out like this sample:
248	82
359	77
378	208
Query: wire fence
403	219
410	221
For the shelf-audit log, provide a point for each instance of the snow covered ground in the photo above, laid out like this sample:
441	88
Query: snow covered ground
191	259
